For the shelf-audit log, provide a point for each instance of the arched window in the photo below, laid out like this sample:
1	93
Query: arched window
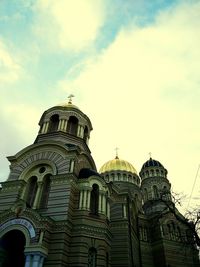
151	172
53	124
92	257
45	191
155	192
72	125
32	190
94	200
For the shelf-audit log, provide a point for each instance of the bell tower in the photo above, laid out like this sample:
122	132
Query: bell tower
155	186
65	123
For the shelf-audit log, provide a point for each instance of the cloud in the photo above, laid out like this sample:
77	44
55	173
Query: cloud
10	69
144	92
68	24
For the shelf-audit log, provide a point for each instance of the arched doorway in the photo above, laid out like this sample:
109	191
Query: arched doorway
12	249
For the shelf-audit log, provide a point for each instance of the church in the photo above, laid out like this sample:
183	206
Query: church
58	210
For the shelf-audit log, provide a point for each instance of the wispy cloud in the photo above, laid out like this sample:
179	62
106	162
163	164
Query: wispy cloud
70	25
10	69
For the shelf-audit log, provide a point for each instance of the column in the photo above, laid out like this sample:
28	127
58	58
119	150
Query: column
103	204
59	125
82	132
41	261
46	127
108	210
84	199
36	260
62	124
124	211
71	167
100	202
38	194
88	199
81	199
78	130
23	194
28	261
43	127
65	126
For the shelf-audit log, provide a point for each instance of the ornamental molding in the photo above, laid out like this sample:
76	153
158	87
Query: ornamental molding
22	222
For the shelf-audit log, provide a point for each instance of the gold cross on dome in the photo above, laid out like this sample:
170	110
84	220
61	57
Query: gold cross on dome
150	154
116	149
70	98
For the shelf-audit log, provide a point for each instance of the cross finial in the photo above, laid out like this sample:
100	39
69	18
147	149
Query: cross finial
116	149
150	154
70	98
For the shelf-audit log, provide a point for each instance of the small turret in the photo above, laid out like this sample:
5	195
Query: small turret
65	123
155	186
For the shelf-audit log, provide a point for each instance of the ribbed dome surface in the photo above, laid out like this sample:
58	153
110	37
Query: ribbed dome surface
152	163
117	165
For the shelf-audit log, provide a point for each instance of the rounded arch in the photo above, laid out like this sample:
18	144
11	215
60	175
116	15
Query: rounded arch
39	153
28	233
97	180
53	123
35	169
12	246
31	191
45	191
72	125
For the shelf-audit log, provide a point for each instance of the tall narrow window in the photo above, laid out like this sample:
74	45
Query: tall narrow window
94	200
92	257
53	124
45	192
72	125
32	190
155	192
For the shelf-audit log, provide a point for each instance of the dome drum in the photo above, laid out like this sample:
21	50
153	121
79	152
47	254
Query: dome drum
66	118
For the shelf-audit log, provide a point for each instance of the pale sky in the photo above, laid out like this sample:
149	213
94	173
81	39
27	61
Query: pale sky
132	65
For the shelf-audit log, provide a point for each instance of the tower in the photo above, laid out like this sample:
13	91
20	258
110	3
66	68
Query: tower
126	202
155	186
54	203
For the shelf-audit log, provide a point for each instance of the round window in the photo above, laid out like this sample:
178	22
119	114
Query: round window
42	169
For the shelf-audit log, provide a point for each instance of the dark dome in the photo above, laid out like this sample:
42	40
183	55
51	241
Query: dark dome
152	163
153	168
85	173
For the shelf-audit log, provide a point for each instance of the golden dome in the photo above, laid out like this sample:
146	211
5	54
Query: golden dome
68	105
117	165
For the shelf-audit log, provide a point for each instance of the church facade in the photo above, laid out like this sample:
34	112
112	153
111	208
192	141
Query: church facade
57	210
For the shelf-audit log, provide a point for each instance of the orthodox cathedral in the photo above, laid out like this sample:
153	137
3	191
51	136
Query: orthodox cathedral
57	210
